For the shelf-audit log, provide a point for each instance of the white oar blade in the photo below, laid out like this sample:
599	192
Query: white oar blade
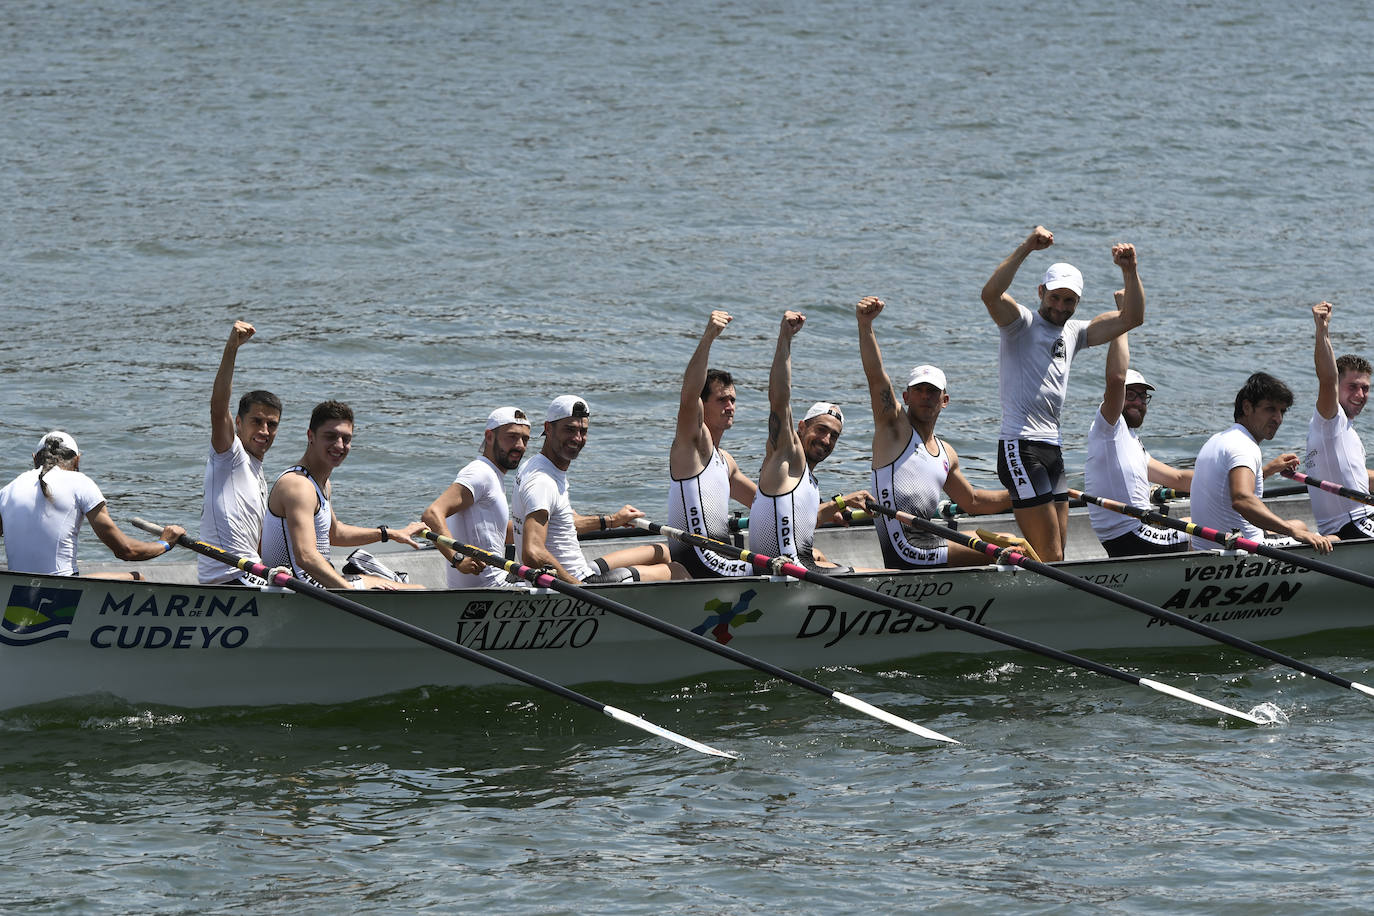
621	715
889	718
1356	685
1201	701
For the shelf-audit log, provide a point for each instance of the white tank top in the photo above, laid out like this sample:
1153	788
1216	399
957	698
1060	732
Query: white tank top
914	484
701	505
785	525
276	543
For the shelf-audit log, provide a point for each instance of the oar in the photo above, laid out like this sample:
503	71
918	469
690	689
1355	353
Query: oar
548	580
425	636
1013	558
1330	487
1231	540
783	566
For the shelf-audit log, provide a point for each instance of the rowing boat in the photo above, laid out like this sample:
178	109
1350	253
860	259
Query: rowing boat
170	641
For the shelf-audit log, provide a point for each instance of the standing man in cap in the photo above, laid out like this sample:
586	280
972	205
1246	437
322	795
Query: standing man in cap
546	527
473	510
788	506
704	475
1119	468
1228	479
911	465
41	512
1334	449
235	490
1036	351
300	526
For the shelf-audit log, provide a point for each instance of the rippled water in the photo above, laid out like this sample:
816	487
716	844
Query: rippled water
429	209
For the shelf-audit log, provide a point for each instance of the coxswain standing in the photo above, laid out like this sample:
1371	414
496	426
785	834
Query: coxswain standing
1037	349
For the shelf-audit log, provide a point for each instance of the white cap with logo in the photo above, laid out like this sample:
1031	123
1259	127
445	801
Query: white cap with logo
927	375
567	405
504	416
824	407
1063	276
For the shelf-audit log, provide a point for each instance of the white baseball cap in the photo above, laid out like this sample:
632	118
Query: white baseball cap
1135	378
567	405
927	375
65	438
504	416
824	407
1063	276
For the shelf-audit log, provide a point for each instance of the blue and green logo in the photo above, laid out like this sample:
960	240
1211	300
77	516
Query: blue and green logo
725	616
36	614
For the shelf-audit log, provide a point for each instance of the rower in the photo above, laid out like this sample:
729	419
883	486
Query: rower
235	490
1037	349
546	527
1334	449
1119	468
473	509
788	508
911	465
704	475
41	512
301	526
1228	480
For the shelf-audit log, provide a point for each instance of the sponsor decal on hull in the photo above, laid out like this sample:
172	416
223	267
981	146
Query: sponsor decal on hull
37	614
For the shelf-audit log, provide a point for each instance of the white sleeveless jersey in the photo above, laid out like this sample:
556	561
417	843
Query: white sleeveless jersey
1335	453
701	505
914	484
785	525
276	542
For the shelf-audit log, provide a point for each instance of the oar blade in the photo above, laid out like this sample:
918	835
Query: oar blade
621	715
883	715
1356	685
1173	691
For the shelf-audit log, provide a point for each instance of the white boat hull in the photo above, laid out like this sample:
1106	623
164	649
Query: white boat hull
193	646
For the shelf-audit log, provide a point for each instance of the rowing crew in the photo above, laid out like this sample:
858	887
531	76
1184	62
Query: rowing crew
294	526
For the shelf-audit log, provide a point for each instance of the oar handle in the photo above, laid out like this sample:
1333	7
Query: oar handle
1329	487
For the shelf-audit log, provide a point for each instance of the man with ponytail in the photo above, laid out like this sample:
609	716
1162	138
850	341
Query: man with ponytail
41	512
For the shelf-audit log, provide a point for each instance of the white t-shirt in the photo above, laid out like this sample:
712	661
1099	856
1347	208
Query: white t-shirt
1117	468
1335	453
40	533
1211	496
233	505
482	524
1033	374
541	486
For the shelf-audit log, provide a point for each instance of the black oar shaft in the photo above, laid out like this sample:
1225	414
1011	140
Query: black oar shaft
548	580
1232	540
1127	601
780	565
426	637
